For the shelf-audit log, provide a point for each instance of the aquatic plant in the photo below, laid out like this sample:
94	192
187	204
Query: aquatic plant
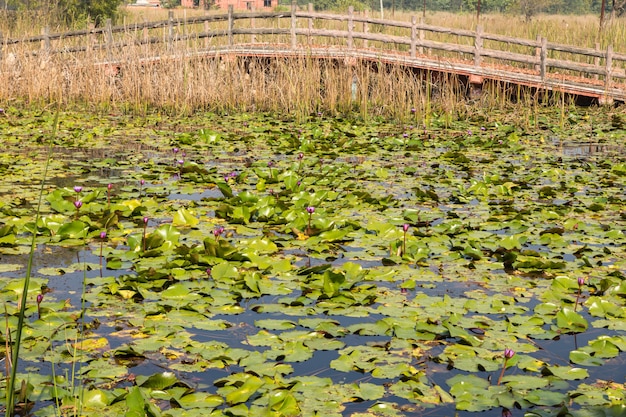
508	354
14	352
310	210
143	237
299	301
109	188
103	236
581	282
405	229
39	301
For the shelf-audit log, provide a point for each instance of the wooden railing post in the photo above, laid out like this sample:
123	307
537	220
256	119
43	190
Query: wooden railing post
413	36
206	32
538	53
544	59
350	27
45	43
170	30
421	33
310	24
596	60
294	40
478	45
231	24
108	27
608	66
1	44
145	32
90	39
366	29
252	23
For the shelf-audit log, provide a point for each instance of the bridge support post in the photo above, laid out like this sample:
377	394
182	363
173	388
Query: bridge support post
475	86
605	100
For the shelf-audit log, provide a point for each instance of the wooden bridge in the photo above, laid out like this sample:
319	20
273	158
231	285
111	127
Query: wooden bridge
478	56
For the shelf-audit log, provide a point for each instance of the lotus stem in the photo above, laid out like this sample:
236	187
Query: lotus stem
405	228
508	354
39	300
103	236
581	282
109	195
310	210
145	228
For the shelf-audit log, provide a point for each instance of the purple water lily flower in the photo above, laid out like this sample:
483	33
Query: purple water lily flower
508	354
78	188
218	231
78	204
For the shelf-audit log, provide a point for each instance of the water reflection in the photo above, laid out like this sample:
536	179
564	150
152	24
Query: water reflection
585	149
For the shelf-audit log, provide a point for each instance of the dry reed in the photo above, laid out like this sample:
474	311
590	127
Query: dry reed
188	83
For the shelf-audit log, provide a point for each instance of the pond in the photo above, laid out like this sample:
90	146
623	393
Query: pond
250	264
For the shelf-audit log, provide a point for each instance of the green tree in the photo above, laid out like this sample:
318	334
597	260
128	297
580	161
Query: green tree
73	11
530	8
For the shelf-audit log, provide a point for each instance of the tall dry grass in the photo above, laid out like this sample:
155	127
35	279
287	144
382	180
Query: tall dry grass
296	86
187	83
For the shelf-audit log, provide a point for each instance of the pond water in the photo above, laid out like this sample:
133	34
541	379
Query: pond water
414	267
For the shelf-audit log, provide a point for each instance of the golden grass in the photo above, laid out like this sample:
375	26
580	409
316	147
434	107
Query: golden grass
296	86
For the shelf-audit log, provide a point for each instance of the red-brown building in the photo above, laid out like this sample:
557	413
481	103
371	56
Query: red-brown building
237	4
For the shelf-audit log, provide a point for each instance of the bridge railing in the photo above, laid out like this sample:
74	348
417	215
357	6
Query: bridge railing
306	29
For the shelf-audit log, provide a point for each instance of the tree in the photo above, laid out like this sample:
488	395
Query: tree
73	11
530	8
